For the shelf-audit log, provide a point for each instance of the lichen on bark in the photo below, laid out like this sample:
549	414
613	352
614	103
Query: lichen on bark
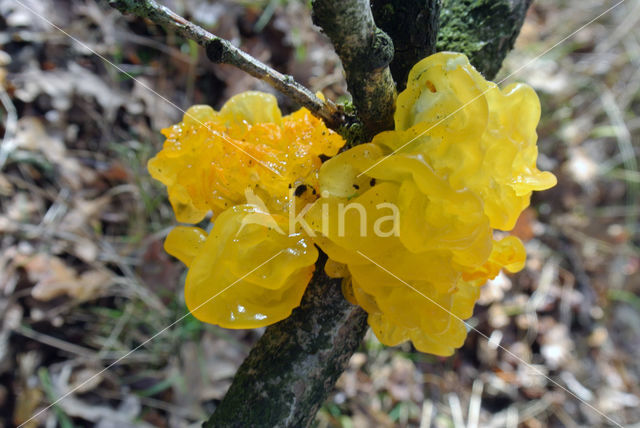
293	367
484	30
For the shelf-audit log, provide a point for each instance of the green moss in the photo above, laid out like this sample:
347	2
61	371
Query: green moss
353	134
297	361
484	30
140	8
364	59
382	51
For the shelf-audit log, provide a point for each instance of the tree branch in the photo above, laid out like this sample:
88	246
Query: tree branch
366	52
293	367
413	27
484	30
221	51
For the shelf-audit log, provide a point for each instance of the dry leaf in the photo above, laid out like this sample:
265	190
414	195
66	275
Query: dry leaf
31	135
85	380
54	278
125	415
556	344
84	212
80	222
26	404
524	228
61	85
6	188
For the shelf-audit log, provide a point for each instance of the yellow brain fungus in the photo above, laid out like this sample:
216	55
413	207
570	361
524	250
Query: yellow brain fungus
407	220
460	163
243	164
478	136
243	274
211	158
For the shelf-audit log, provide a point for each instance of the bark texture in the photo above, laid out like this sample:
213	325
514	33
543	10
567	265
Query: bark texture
413	27
292	369
295	364
484	30
366	52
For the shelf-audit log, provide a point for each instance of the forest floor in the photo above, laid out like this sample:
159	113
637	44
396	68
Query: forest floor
84	278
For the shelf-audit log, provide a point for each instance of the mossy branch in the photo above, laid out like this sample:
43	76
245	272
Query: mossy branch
413	27
484	30
293	367
222	51
366	52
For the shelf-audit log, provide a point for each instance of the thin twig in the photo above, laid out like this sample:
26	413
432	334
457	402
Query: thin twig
222	51
71	348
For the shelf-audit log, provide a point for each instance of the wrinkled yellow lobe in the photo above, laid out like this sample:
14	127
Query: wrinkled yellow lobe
184	243
223	162
460	163
211	158
222	289
477	136
407	220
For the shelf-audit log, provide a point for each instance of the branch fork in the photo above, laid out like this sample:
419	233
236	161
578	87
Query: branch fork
293	367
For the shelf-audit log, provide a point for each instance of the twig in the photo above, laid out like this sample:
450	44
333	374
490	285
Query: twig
56	343
295	364
221	51
366	52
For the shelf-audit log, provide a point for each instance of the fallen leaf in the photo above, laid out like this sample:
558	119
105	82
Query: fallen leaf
61	85
557	345
81	220
54	278
85	380
524	228
27	402
31	135
123	416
